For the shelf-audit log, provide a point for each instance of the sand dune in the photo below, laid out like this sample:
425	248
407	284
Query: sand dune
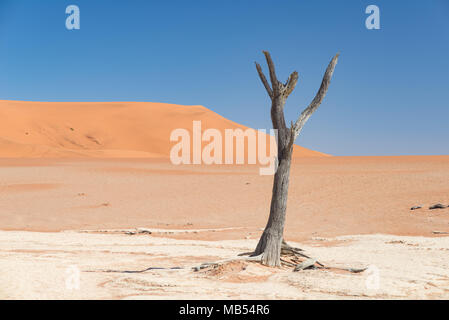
101	129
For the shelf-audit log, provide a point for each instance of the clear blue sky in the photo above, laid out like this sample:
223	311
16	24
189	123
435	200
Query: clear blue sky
389	95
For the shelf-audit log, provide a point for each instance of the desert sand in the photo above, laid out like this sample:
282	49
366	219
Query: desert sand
37	266
328	196
67	201
346	212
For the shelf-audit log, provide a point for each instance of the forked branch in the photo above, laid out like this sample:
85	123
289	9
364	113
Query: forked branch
276	89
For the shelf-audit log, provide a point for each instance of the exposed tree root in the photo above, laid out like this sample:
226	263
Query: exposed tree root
295	258
137	271
290	257
218	263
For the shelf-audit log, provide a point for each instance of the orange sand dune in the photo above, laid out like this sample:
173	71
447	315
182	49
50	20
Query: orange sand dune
101	129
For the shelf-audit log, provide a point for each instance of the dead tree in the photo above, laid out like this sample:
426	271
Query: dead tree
270	242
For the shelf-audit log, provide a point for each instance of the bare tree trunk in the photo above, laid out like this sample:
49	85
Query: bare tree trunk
270	242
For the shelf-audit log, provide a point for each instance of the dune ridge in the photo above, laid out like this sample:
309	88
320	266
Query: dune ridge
101	129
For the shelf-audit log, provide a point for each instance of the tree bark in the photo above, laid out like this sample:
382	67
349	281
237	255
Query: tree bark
270	242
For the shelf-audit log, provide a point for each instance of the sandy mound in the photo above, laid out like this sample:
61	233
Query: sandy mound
103	129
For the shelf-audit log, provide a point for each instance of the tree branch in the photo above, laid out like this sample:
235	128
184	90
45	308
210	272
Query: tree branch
291	83
313	106
264	80
273	78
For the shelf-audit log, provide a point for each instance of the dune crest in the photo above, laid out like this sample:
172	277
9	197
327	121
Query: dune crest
101	129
